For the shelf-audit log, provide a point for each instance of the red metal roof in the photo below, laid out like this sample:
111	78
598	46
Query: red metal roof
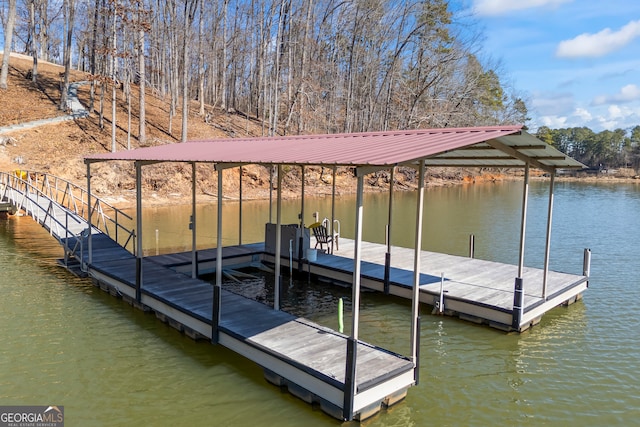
495	146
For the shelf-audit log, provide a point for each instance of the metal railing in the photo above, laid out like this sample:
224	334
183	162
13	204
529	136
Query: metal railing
31	191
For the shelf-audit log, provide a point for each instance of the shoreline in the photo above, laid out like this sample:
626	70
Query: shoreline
126	201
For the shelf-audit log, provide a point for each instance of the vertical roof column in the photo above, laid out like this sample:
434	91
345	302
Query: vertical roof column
278	283
548	239
415	295
352	341
139	251
194	253
518	291
90	235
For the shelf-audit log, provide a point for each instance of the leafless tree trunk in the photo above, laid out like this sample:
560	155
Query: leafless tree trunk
201	63
113	74
8	38
32	38
142	132
189	11
68	11
92	54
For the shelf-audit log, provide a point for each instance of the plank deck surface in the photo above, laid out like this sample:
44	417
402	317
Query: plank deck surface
297	340
474	280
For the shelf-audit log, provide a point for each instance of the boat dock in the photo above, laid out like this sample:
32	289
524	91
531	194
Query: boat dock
472	289
348	378
475	290
271	338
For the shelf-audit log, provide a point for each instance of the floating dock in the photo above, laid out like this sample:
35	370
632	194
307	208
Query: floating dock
348	378
315	371
472	289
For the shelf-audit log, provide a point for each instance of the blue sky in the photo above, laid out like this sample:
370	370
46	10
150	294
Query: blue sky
575	62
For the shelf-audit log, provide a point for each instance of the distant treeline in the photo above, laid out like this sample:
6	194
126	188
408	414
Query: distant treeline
615	149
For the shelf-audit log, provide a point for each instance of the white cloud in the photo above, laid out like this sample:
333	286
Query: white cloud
597	119
583	114
502	7
598	44
552	104
628	93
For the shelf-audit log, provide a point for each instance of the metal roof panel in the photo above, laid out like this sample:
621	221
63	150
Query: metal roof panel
358	149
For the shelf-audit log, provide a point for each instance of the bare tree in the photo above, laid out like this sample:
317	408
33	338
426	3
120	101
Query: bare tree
8	36
142	24
68	11
190	7
32	40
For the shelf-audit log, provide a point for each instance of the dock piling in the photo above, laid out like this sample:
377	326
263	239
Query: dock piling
472	245
518	303
586	263
441	302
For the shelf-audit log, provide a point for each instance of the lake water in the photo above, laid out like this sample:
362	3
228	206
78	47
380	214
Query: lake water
66	342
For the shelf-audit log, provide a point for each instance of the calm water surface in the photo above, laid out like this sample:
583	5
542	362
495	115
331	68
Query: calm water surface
65	342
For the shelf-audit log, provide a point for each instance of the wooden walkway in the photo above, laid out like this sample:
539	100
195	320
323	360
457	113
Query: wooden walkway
308	359
314	371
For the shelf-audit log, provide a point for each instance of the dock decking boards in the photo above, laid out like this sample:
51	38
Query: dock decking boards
473	287
311	349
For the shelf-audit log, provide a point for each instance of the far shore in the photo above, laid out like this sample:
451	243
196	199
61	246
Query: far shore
127	201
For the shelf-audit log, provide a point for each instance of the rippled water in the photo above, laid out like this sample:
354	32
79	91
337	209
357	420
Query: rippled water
65	342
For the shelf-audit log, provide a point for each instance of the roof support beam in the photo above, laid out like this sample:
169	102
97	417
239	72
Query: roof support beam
350	386
139	251
89	237
499	145
523	222
192	224
216	306
301	248
334	236
366	170
278	283
223	166
387	258
240	206
548	240
429	162
415	294
517	147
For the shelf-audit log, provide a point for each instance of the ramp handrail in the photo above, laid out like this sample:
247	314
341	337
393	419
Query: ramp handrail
73	198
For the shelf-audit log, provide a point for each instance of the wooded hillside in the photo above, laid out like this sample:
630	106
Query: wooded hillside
300	66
